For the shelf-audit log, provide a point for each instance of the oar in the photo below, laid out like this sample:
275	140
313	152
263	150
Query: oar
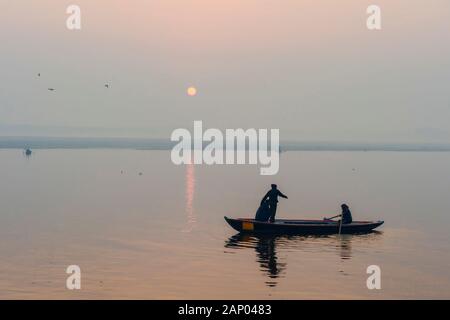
340	221
332	217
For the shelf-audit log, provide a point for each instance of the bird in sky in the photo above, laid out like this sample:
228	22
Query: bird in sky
51	89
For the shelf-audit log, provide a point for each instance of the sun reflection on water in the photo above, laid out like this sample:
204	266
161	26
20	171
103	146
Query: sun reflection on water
189	196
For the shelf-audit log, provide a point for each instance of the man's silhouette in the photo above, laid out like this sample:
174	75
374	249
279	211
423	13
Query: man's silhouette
272	199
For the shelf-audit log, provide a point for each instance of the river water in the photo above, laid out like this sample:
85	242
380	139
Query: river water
140	227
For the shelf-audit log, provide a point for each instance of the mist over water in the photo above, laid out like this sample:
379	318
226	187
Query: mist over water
141	227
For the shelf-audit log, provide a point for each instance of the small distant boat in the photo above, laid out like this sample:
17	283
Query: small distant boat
311	227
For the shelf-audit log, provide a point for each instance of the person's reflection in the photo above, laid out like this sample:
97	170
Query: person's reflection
345	242
345	246
267	257
265	247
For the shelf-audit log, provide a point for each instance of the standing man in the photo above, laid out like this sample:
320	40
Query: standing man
272	198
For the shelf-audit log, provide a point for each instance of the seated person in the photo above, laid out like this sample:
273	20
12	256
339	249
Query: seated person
263	213
346	215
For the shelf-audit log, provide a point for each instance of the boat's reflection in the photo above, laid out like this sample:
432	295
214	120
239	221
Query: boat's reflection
268	246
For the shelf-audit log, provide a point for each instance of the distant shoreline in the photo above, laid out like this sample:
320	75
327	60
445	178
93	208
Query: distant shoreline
164	144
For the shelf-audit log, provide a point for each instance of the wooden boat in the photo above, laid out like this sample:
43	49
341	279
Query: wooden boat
284	226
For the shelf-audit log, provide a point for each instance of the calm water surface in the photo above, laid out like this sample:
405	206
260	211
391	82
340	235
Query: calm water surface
141	227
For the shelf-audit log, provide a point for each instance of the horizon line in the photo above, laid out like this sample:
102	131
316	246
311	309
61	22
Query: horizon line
142	143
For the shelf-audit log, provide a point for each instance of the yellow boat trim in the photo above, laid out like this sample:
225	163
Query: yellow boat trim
247	226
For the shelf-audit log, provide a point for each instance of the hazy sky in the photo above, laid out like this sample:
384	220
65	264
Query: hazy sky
310	68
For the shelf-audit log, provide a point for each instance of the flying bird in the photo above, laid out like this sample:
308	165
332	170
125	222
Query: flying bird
39	74
51	89
107	86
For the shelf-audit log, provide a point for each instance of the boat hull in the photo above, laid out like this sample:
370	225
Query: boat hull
311	227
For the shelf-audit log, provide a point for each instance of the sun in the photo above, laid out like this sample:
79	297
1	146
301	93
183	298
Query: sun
191	91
